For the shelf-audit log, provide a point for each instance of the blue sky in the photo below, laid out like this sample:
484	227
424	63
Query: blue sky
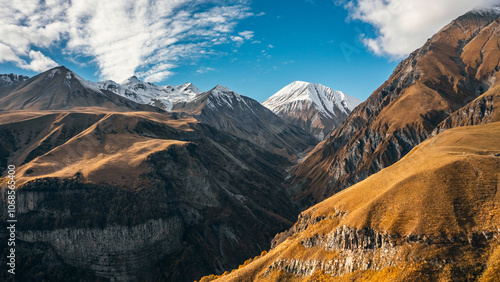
253	47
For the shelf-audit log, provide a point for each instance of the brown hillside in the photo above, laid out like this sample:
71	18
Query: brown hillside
453	68
128	196
432	216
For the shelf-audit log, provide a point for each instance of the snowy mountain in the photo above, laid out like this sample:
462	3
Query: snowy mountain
314	107
7	80
246	118
147	93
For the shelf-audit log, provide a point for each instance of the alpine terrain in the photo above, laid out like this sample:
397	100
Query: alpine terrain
133	181
424	153
246	118
454	67
316	108
163	97
109	189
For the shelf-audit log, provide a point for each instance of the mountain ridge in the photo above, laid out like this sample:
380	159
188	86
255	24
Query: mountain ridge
434	81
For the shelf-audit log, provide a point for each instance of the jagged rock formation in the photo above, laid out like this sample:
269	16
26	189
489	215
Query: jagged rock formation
431	216
453	68
164	97
315	108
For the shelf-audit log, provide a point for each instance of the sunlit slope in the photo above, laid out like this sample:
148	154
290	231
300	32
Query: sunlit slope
434	215
137	195
100	146
449	183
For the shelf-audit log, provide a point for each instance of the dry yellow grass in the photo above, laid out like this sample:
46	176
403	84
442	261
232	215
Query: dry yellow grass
114	158
448	184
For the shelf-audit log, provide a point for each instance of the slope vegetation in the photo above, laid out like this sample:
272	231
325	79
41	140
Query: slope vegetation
434	215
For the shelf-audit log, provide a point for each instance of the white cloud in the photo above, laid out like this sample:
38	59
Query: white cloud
405	25
237	39
247	34
123	37
203	70
38	62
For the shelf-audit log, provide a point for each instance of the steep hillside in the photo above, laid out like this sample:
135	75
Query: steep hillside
62	89
432	216
315	108
137	195
246	118
453	68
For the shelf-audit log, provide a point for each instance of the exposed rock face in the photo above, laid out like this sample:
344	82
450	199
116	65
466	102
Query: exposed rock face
367	249
431	216
109	255
453	68
485	109
61	89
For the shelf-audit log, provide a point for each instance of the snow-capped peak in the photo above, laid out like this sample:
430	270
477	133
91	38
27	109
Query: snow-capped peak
299	93
223	90
132	79
221	96
148	93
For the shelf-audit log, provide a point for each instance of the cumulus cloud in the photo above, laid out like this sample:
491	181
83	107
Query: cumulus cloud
38	62
404	25
123	37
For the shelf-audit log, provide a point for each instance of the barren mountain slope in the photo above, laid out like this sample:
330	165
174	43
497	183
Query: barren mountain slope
315	108
62	89
246	118
453	68
432	216
129	195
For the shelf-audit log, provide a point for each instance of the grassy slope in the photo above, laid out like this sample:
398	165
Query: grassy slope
447	185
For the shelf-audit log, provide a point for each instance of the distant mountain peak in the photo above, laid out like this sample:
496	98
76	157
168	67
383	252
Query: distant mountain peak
7	80
148	93
314	107
222	88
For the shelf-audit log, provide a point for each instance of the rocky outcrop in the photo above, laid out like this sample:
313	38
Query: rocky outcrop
367	249
198	206
484	109
8	80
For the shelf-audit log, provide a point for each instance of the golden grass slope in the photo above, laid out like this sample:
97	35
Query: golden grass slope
446	187
106	152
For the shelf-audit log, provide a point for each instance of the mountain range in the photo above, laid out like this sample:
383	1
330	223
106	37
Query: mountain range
133	181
